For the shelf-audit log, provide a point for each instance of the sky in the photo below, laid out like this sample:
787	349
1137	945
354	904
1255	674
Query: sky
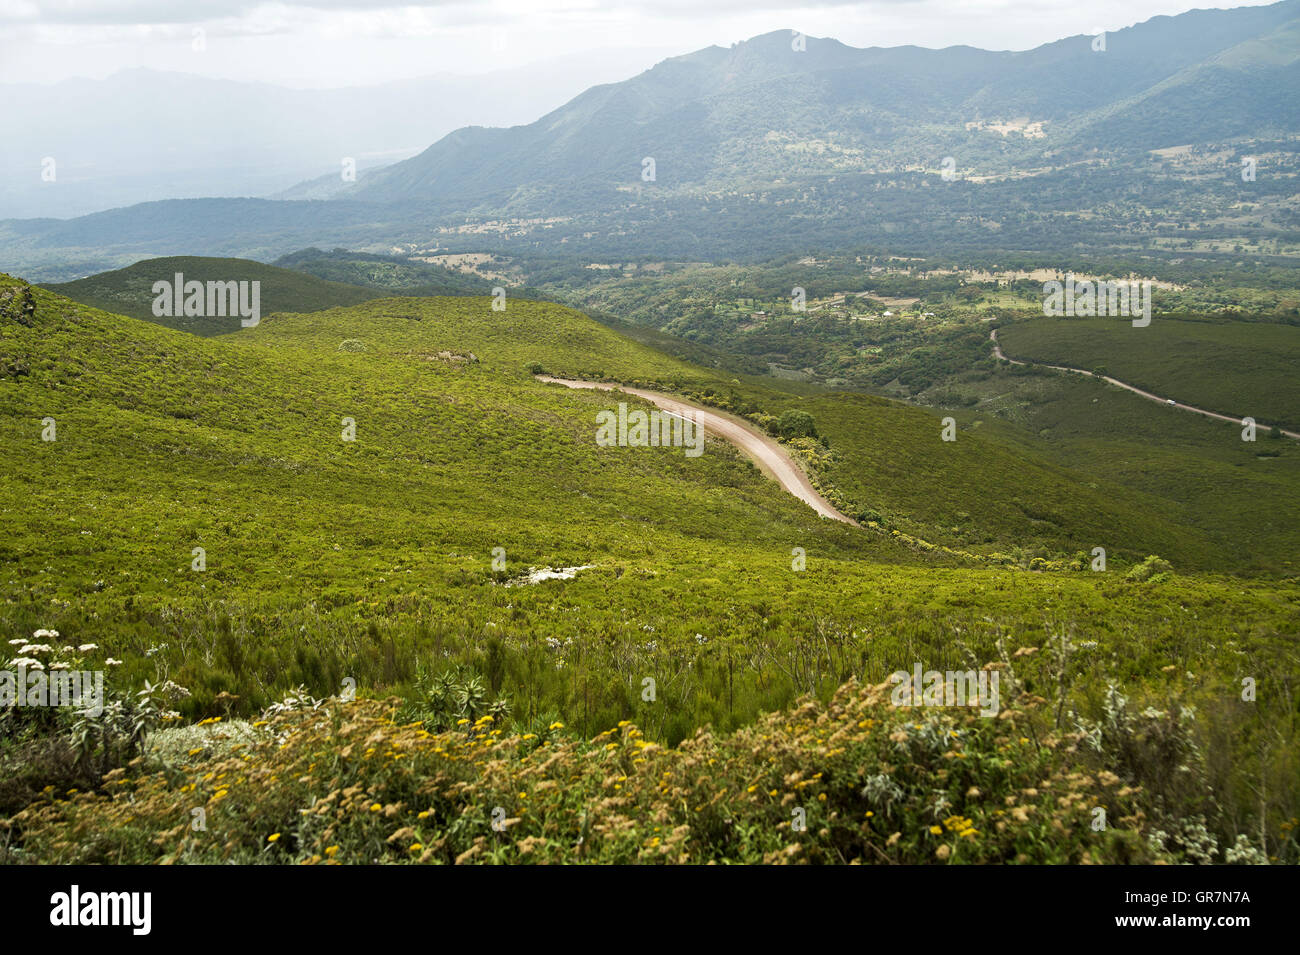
332	43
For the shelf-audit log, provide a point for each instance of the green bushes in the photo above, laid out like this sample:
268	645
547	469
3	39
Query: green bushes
369	563
854	779
440	701
1150	569
795	424
63	742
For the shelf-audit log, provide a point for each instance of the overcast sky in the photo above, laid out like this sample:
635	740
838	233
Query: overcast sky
356	42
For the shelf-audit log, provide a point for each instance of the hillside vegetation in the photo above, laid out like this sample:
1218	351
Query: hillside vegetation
329	562
129	291
1059	458
392	274
1232	367
857	780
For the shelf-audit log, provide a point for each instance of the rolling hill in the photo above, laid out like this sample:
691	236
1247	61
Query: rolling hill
305	281
129	291
360	493
1235	368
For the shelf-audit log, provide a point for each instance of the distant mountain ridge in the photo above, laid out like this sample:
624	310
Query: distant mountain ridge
764	110
765	149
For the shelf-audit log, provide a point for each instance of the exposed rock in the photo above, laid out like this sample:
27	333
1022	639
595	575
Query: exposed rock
18	305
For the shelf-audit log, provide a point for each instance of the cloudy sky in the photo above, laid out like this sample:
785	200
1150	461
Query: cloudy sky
325	43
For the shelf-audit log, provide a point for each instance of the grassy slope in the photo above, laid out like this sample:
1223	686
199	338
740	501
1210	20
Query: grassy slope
983	492
168	442
328	559
129	291
1241	499
1051	465
1235	368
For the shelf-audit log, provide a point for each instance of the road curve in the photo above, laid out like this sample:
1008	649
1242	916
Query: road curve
997	352
762	449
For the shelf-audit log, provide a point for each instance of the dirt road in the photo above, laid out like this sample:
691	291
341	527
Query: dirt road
997	351
765	451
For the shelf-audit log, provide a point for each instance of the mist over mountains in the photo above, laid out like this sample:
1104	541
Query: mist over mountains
143	135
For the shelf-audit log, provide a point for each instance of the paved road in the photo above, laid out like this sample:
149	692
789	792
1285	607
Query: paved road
764	450
997	351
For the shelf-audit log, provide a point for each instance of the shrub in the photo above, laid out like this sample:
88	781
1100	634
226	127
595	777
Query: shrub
795	424
1149	569
856	778
57	745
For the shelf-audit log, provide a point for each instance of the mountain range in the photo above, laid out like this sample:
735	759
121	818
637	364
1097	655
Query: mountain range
784	142
781	106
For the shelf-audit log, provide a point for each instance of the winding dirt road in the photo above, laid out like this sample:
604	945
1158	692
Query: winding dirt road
766	452
1167	402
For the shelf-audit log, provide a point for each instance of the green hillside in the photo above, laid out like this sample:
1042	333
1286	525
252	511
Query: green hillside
1236	368
1058	459
327	560
129	291
389	273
